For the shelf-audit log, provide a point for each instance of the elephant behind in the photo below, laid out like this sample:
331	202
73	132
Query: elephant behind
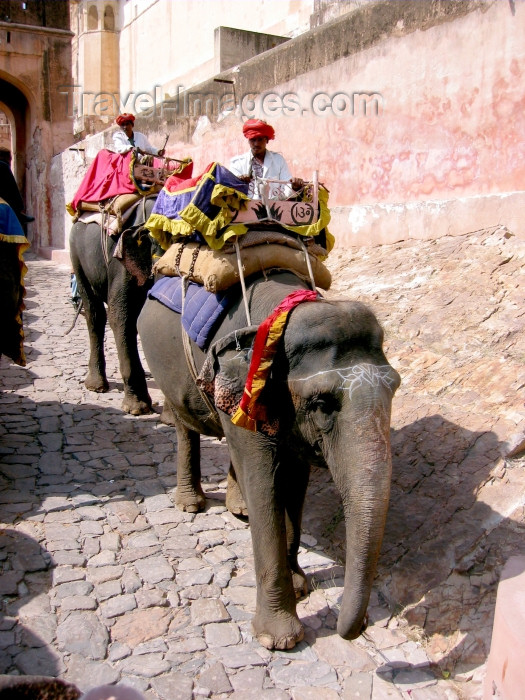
104	279
326	401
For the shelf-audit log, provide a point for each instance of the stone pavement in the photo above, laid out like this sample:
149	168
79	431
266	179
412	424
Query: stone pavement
105	581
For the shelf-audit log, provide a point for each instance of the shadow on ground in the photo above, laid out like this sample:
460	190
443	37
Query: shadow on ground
442	552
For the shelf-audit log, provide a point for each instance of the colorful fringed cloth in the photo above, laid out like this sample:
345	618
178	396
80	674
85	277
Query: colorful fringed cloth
265	346
206	204
209	205
107	176
111	174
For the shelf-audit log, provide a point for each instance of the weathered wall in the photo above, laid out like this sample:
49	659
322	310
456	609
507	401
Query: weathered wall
35	61
172	43
35	13
234	46
444	154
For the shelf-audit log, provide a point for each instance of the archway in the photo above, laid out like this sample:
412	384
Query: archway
15	106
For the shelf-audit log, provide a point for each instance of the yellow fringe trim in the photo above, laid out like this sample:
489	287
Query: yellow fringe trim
223	196
243	420
165	230
315	229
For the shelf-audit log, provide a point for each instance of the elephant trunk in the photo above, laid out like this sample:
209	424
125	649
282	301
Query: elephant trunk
364	483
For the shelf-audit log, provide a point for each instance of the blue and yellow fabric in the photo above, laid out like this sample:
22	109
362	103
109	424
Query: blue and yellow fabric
12	232
206	206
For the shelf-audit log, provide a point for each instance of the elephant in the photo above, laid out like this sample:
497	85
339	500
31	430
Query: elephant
104	279
328	402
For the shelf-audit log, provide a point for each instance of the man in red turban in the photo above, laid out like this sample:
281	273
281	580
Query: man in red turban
259	162
126	138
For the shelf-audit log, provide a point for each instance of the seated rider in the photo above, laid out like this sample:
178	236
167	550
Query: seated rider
260	162
126	138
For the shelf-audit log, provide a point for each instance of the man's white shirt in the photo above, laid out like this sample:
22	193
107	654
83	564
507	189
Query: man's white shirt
274	167
122	144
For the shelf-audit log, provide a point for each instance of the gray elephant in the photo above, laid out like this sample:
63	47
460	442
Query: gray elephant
122	284
326	401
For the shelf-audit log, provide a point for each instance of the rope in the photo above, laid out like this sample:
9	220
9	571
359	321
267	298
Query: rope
241	276
105	208
188	352
308	262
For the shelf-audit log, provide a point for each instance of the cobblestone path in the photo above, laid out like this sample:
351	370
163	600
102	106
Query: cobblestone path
104	580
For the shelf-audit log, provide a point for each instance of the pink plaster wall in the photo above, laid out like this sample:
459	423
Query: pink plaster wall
443	157
453	121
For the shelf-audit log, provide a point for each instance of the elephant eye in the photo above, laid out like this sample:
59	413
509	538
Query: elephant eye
324	404
322	410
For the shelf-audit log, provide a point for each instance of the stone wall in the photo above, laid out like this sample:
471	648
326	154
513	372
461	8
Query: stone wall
172	43
413	113
234	46
35	61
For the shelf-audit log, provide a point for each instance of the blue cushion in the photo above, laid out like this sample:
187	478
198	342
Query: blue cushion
202	309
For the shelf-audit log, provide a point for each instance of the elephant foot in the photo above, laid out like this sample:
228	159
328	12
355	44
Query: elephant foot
136	407
235	502
190	501
167	416
284	634
97	383
234	499
300	585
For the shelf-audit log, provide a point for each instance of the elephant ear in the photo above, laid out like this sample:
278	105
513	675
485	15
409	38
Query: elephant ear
223	376
224	372
135	247
134	252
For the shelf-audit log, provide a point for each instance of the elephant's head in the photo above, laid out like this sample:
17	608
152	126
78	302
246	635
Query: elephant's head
136	248
329	395
341	386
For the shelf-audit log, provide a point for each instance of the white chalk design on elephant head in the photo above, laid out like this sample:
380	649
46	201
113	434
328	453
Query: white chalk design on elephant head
356	376
378	411
366	373
361	376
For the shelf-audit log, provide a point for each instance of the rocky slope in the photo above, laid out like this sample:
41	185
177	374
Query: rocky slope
453	315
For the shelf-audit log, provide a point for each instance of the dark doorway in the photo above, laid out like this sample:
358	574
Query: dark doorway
14	105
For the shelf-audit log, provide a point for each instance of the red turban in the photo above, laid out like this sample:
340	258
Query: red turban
256	127
123	118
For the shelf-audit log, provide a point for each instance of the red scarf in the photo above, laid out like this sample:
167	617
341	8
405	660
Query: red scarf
264	348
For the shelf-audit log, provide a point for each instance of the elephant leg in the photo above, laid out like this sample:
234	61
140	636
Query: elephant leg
292	483
168	413
123	322
96	318
234	499
275	623
190	496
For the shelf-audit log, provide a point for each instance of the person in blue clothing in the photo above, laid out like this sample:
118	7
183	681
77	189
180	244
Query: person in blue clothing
9	189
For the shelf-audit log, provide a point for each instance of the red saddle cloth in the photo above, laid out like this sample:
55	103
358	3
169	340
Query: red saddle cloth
108	176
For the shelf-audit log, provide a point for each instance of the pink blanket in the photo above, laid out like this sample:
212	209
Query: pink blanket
108	176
